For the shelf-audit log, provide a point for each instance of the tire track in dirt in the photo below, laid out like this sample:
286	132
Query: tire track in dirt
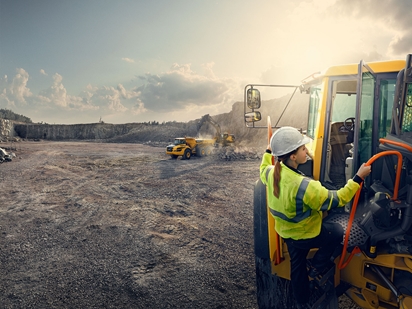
95	225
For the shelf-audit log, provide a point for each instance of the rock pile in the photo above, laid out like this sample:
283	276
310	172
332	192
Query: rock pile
237	153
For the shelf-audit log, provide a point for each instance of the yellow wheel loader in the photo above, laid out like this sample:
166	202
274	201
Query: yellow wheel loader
357	113
222	139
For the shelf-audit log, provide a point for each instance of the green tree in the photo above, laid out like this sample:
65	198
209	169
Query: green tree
10	115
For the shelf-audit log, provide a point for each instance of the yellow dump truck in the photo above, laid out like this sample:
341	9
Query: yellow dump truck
188	146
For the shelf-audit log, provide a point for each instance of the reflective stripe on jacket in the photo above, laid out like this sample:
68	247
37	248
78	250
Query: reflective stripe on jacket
298	210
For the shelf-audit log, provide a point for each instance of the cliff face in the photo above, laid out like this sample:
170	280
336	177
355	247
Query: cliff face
129	132
76	131
232	122
6	128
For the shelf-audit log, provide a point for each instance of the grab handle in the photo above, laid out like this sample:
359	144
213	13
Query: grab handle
343	264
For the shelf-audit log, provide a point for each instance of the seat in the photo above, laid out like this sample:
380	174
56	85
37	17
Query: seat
338	141
337	154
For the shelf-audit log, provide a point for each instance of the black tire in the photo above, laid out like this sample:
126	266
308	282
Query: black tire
174	156
208	151
200	151
271	291
187	154
260	221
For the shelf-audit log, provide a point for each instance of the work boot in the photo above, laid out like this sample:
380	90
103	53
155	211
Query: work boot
319	272
314	272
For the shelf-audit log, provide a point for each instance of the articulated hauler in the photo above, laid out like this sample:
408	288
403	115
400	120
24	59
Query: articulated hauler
188	146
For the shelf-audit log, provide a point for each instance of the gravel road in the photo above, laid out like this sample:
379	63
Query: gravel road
102	225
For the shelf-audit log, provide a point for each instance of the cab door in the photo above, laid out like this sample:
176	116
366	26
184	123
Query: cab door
373	112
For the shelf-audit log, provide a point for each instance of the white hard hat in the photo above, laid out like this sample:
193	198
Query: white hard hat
286	140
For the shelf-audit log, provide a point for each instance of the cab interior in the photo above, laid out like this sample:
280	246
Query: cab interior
341	125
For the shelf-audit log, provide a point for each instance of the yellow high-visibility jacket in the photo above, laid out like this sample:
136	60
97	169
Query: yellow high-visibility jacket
298	210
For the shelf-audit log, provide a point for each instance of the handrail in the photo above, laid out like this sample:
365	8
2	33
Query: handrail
341	264
384	140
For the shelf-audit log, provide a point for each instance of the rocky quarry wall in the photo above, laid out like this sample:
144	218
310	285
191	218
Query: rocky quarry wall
6	128
163	133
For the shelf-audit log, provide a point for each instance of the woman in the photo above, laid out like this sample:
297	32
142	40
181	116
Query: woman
298	203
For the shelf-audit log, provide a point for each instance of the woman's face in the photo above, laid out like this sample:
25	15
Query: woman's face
301	155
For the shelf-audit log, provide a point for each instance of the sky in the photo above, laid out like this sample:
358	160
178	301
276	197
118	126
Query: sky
122	61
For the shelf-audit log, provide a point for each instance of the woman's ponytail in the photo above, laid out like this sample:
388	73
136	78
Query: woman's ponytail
276	179
277	170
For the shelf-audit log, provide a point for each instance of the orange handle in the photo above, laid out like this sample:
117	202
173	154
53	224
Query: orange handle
388	141
342	265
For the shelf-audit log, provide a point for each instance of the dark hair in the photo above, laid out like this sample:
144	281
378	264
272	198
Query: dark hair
278	168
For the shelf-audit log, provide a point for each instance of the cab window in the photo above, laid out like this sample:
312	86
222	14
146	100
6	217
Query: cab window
314	103
343	107
386	97
366	117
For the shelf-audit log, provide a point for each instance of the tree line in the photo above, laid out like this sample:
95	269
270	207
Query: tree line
10	115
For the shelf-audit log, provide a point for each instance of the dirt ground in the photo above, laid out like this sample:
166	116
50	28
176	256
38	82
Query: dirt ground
104	225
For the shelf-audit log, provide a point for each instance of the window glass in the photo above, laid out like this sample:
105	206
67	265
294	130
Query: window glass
366	116
386	97
343	107
314	103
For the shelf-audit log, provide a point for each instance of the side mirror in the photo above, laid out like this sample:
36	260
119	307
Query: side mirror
253	98
253	117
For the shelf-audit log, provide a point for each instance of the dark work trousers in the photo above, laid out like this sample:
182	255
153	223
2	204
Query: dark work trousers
330	237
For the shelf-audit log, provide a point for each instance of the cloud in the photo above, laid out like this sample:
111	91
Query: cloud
109	98
106	99
43	72
128	60
393	15
15	92
180	88
56	92
401	45
208	67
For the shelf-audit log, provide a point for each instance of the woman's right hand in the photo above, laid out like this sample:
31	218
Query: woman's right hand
364	171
